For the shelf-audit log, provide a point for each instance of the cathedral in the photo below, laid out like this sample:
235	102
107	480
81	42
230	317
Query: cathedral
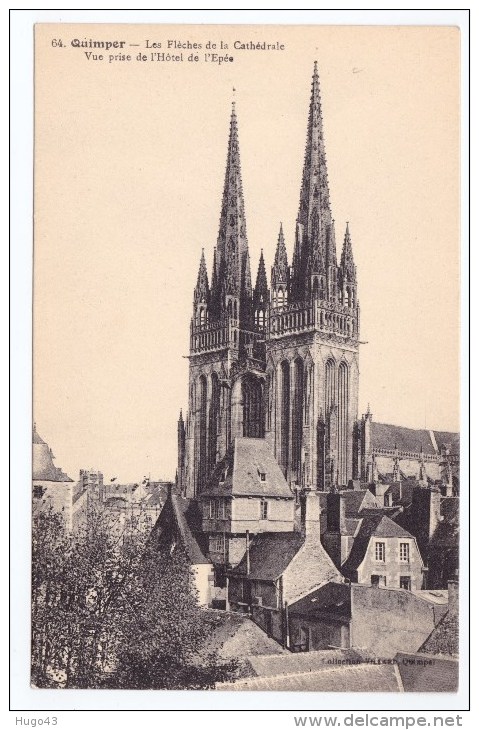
277	360
272	436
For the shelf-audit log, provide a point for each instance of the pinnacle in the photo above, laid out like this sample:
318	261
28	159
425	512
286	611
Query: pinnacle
202	287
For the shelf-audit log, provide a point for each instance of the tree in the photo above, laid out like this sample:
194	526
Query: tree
112	609
168	634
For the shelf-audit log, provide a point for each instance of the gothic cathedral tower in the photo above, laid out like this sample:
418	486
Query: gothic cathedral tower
279	364
313	330
227	334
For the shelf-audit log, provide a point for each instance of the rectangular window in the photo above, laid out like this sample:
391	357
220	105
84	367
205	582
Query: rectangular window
404	552
380	553
262	476
405	582
264	509
378	580
217	543
217	509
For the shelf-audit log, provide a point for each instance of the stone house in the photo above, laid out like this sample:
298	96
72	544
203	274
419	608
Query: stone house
246	495
278	568
384	554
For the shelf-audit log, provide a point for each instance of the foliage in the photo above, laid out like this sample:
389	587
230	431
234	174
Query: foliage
111	608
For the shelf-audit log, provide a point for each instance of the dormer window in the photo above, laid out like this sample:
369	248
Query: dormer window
262	476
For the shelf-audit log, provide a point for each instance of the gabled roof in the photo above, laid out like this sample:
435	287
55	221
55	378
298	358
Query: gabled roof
270	554
357	499
238	473
332	598
180	518
371	526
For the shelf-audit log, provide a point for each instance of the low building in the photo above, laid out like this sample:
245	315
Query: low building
137	504
377	623
180	522
278	568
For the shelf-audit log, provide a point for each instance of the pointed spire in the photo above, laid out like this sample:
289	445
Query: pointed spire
232	248
261	292
279	272
347	261
314	216
202	290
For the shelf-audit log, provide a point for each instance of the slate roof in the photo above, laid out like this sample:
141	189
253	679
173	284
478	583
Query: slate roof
270	554
238	473
387	436
350	526
402	491
181	517
371	526
444	638
332	598
356	499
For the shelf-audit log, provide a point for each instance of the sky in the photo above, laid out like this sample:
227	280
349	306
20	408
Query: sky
129	171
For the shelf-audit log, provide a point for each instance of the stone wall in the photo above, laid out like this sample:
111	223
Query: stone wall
392	567
385	621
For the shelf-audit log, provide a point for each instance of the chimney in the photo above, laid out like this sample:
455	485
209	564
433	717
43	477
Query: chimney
310	514
381	490
435	516
336	512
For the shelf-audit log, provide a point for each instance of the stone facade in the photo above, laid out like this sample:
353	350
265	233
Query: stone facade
277	360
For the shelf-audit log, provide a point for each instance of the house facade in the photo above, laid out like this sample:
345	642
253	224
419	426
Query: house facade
384	554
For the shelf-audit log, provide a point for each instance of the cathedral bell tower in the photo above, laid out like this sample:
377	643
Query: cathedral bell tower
227	332
313	334
278	362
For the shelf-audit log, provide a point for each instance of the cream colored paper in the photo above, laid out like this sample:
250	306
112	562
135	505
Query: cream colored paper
129	165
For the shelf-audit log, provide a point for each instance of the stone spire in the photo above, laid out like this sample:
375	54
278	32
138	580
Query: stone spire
202	290
348	268
261	292
232	247
314	224
279	272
